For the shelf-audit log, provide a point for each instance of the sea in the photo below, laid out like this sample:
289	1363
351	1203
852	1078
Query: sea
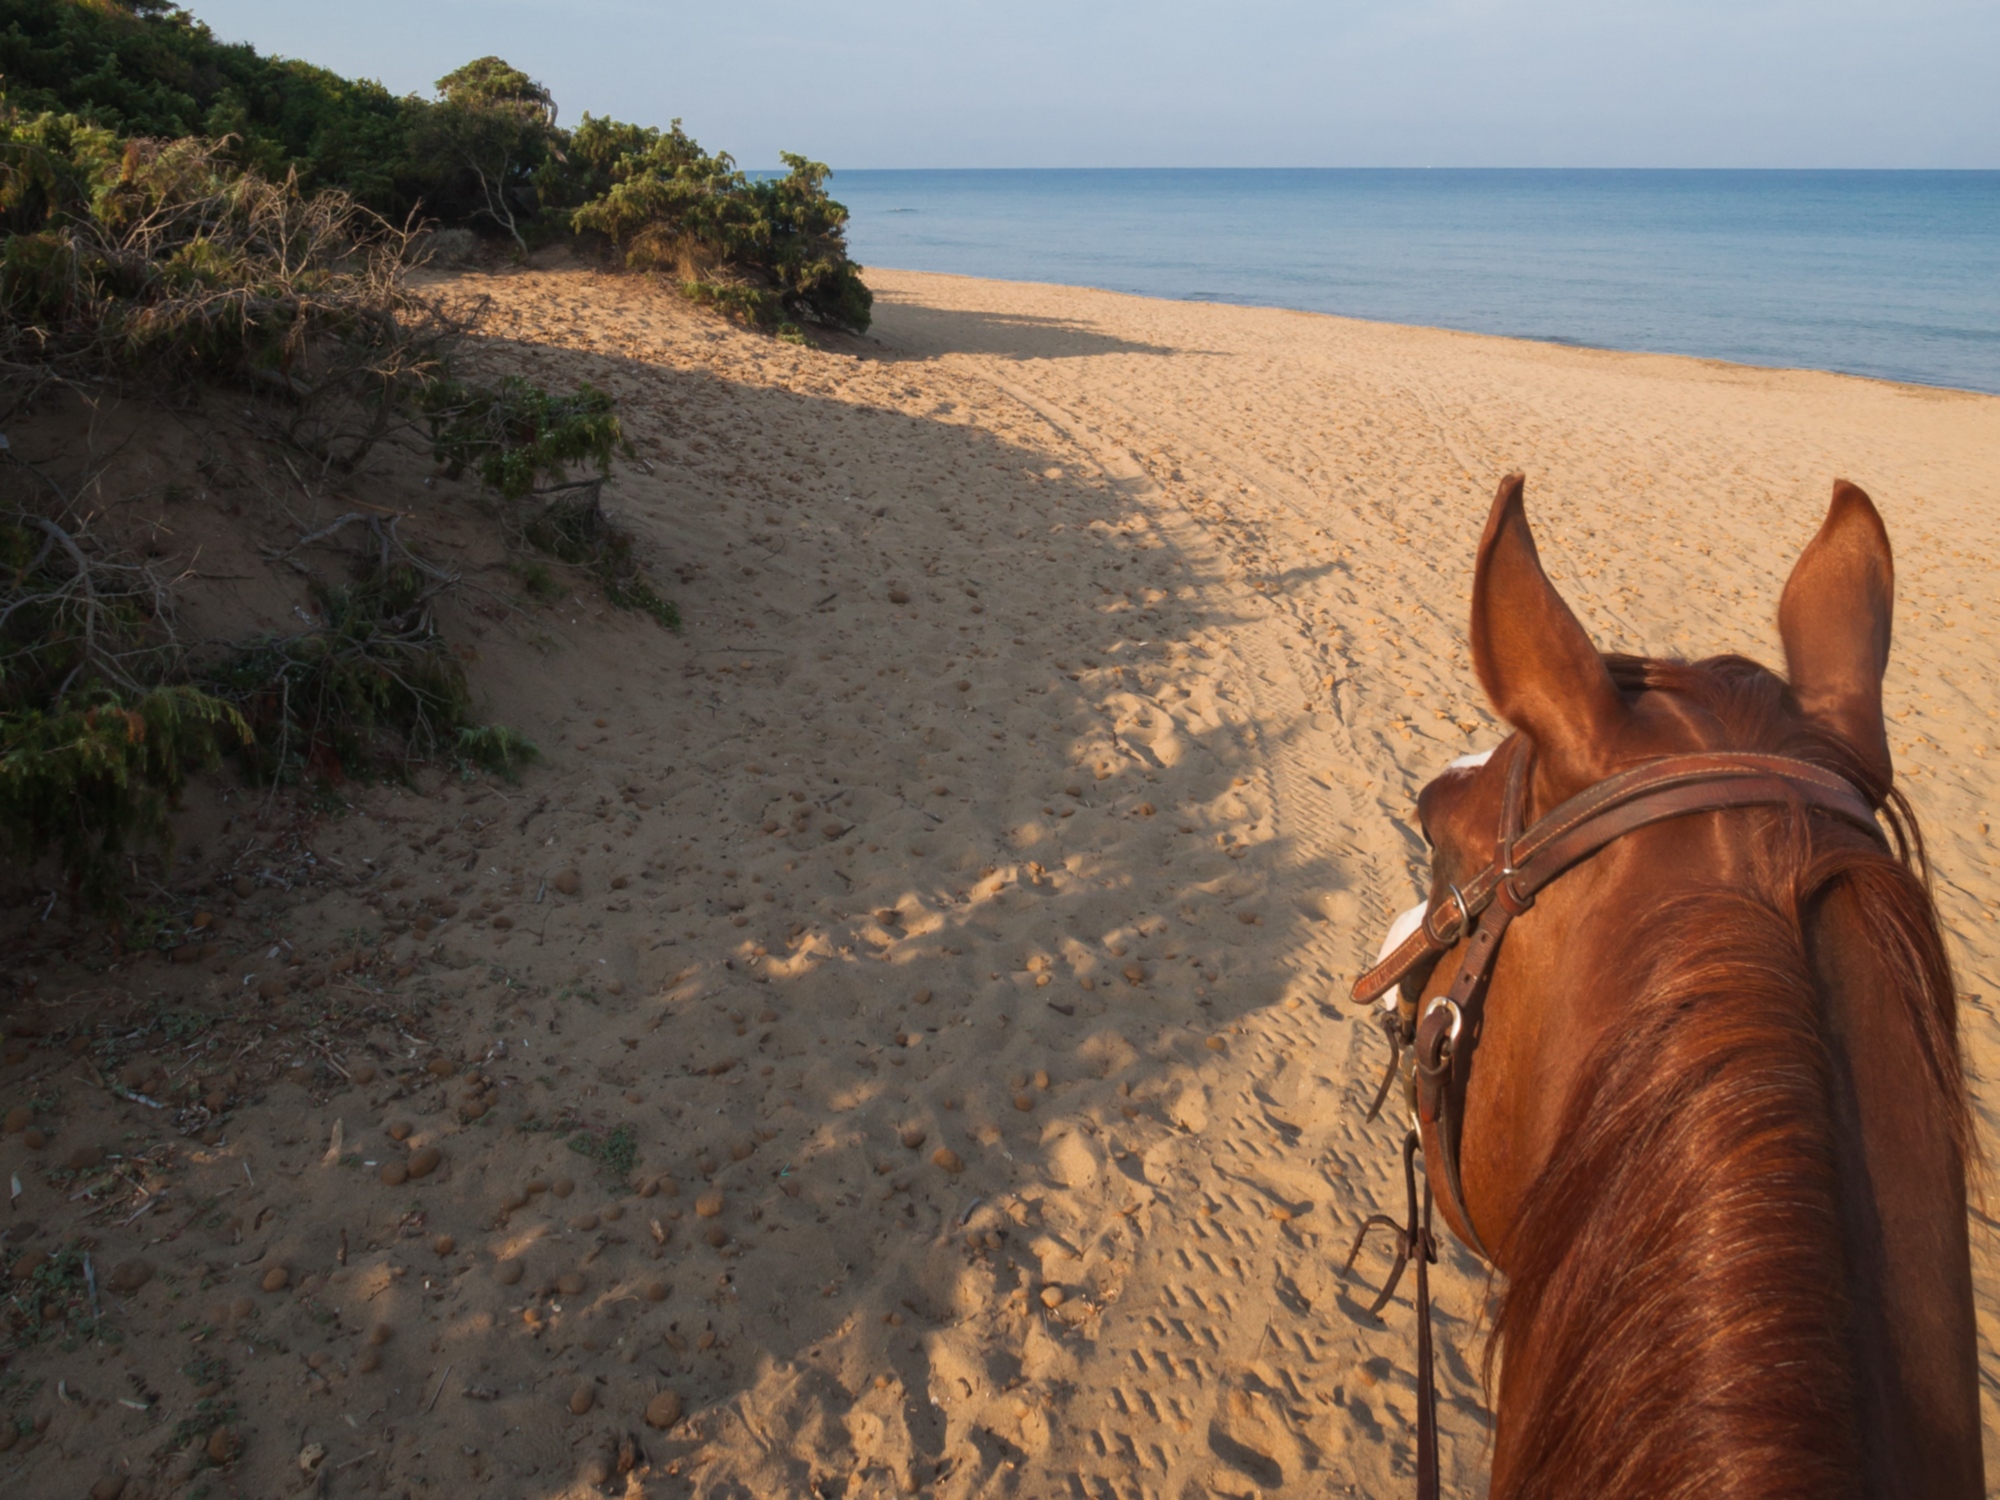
1888	274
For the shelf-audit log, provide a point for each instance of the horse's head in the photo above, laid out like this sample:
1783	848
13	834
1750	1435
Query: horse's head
1563	976
1703	1105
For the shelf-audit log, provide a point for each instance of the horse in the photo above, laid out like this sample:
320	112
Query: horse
1704	1111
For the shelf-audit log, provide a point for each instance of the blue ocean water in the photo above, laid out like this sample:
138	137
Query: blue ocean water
1891	274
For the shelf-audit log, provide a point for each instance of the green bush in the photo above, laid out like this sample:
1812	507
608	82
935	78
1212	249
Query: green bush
481	148
765	250
516	435
371	688
149	69
95	774
160	260
485	154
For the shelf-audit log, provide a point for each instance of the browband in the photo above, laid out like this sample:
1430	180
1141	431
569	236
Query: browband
1571	831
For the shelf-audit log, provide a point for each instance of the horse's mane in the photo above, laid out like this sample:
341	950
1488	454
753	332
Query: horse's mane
1680	1260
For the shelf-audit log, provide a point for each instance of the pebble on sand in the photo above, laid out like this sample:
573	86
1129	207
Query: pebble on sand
508	1272
663	1410
913	1136
582	1399
425	1161
276	1279
709	1204
395	1173
128	1276
947	1158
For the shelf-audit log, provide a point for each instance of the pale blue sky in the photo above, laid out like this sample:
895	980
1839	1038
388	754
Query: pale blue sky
942	83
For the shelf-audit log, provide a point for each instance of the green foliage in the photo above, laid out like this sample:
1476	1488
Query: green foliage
765	250
537	580
523	443
616	1153
149	70
481	147
495	83
96	741
164	261
573	528
516	435
96	774
485	154
370	689
496	748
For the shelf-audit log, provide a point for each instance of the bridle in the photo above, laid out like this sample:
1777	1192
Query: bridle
1442	1037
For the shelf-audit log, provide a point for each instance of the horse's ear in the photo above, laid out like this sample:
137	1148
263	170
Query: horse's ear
1835	618
1534	659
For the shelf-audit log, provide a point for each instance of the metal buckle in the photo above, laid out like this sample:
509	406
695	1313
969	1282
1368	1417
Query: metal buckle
1457	1016
1464	919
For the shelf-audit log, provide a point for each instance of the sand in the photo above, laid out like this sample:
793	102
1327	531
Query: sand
955	918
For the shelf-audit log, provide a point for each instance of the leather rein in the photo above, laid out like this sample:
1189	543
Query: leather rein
1443	1036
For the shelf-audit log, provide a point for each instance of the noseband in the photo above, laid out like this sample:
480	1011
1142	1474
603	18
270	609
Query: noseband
1443	1035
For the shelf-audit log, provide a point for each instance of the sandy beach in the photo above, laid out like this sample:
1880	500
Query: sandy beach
896	1035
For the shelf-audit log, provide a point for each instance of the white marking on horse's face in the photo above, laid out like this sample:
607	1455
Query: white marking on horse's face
1405	924
1408	922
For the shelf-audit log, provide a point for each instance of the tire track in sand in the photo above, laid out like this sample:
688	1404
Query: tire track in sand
1234	1342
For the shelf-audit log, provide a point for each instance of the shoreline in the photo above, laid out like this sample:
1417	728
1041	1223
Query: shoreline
1914	387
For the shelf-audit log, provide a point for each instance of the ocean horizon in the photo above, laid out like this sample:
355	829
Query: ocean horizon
1888	274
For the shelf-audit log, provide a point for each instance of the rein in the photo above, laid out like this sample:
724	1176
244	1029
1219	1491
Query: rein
1442	1038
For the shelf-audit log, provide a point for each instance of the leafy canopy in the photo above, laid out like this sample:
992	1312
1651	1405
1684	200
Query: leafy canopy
485	154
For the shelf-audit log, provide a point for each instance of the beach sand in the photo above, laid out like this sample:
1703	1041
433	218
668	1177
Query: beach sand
958	914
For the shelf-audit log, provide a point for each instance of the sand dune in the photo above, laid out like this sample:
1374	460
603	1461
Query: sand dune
957	915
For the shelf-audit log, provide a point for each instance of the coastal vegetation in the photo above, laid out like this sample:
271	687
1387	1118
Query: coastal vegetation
487	153
181	216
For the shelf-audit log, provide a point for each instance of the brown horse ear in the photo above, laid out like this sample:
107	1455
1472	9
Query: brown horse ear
1534	659
1835	618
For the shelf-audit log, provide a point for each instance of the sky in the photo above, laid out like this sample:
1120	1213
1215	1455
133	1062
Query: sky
1267	83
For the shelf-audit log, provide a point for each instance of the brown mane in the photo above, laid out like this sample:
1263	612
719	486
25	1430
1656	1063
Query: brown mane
1680	1259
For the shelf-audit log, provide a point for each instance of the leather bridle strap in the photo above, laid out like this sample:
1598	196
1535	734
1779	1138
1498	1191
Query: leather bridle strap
1436	1040
1572	831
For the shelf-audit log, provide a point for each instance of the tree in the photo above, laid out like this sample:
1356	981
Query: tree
483	143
